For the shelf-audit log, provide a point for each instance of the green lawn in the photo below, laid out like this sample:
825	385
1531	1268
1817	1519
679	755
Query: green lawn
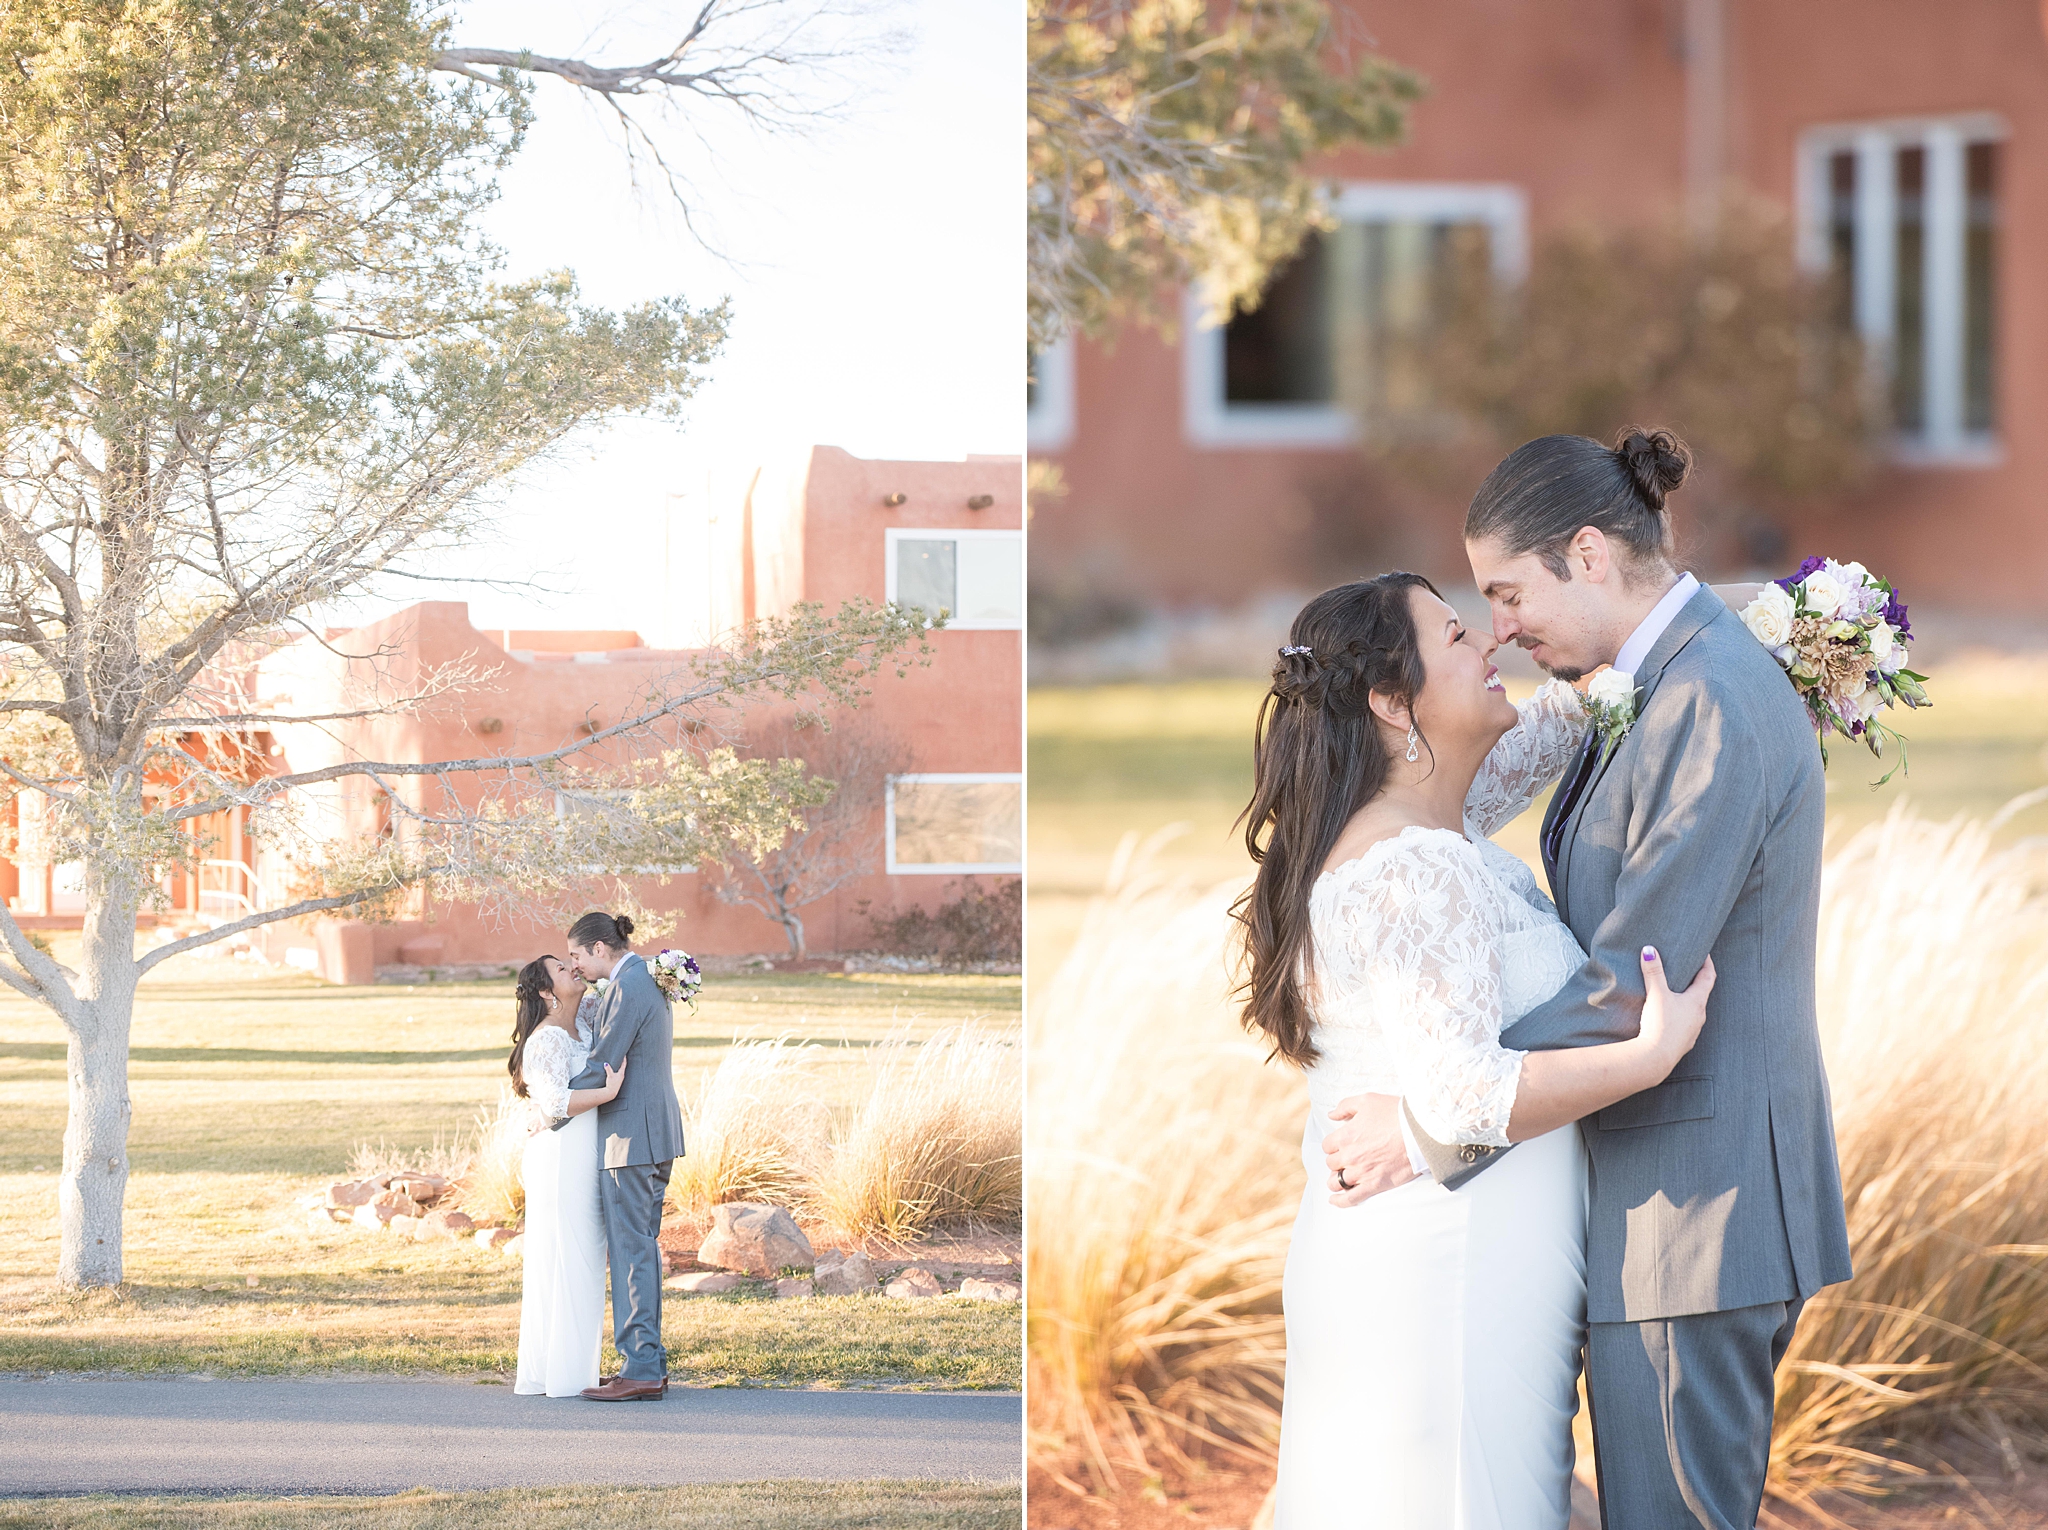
251	1089
879	1505
1115	759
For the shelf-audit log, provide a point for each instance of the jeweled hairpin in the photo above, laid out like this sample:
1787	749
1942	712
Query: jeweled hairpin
1295	648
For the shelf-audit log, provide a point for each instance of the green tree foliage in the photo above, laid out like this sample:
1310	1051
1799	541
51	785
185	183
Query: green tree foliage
1169	143
255	357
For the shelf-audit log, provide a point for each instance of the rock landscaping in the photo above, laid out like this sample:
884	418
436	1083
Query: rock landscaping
755	1240
408	1205
914	1283
749	1249
841	1272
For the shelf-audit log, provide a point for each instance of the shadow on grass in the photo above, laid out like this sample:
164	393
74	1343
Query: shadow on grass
52	1051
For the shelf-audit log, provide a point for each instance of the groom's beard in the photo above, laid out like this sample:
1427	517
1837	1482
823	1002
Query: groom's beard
1571	674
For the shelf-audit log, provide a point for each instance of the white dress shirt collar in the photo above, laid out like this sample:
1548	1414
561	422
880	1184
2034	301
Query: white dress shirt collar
1661	616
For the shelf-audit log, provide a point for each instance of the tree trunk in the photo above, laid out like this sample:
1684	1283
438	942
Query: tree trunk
95	1180
793	927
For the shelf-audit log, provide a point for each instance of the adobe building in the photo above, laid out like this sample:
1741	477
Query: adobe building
1907	139
945	742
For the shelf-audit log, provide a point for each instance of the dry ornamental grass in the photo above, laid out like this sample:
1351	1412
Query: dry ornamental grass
939	1138
1165	1170
755	1131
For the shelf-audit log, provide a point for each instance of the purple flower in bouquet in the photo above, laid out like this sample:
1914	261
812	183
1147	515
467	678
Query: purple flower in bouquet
1895	614
1839	631
677	975
1810	566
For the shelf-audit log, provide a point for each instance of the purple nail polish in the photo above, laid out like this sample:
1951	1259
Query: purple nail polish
1649	953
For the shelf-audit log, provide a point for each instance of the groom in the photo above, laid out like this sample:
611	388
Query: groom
642	1128
1715	1200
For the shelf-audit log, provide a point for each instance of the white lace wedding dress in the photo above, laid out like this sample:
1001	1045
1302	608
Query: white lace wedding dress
1433	1336
561	1303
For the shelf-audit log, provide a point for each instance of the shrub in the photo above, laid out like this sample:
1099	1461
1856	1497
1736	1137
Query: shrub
491	1187
939	1138
1933	996
1162	1160
975	926
754	1132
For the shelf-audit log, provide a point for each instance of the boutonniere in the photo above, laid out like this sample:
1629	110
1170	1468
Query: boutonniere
1611	703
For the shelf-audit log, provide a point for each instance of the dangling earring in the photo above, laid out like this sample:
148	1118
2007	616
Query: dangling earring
1413	739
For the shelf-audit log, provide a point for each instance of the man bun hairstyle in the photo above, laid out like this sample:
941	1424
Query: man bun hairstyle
1546	491
614	930
1657	460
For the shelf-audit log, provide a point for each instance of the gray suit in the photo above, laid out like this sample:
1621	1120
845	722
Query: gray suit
1716	1201
643	1135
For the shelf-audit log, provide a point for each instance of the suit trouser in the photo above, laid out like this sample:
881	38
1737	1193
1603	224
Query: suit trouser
1682	1416
631	1198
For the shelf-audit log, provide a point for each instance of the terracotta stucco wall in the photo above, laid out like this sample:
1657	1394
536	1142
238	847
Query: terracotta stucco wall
818	527
1583	105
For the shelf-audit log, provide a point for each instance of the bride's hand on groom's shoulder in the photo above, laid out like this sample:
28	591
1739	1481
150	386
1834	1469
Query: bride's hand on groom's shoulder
1365	1150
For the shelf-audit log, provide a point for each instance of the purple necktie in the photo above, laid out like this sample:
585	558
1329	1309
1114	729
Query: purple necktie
1589	753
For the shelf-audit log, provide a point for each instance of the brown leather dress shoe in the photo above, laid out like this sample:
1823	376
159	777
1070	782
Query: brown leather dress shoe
626	1389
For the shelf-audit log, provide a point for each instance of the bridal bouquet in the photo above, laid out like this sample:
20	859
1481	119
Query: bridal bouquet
677	976
1841	634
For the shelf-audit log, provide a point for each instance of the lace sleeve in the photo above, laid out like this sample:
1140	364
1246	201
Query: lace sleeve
586	1015
545	1067
1530	756
1425	933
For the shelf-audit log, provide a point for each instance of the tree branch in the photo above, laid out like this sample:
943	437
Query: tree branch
39	971
272	915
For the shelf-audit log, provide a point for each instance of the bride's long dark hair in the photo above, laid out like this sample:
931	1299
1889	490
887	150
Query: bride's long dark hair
529	995
1317	758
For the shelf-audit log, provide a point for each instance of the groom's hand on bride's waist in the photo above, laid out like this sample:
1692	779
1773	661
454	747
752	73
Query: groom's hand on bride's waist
1365	1151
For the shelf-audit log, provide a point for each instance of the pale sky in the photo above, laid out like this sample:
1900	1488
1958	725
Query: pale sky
876	275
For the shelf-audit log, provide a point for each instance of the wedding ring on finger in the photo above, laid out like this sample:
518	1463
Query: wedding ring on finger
1342	1182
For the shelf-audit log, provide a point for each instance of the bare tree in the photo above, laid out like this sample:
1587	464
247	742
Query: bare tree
836	828
254	359
778	66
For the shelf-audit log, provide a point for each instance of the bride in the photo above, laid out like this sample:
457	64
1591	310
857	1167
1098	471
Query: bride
1432	1338
561	1304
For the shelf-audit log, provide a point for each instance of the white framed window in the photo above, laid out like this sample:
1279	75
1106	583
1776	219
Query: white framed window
955	824
1341	327
596	806
1905	214
977	577
1049	399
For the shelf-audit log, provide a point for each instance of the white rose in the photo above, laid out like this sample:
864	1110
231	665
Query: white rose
1881	641
1769	616
1894	661
1612	688
1824	593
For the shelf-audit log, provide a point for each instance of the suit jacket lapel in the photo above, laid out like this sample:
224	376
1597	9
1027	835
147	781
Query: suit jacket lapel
611	1000
1692	617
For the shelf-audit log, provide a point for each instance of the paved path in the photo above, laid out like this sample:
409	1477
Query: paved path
188	1435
